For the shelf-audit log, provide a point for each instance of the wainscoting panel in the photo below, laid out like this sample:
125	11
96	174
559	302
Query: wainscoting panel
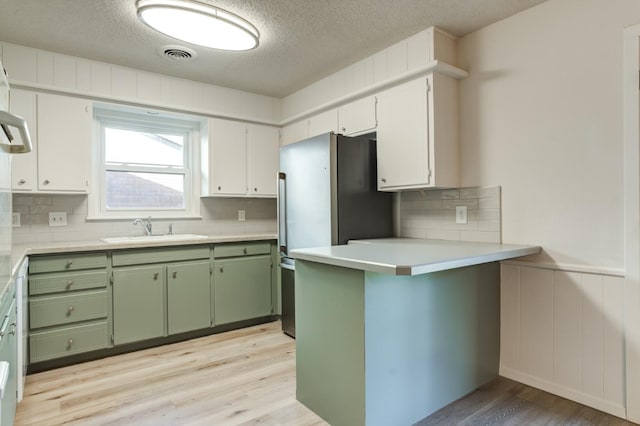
562	331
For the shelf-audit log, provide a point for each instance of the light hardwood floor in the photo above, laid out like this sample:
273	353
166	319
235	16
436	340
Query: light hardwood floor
245	377
240	377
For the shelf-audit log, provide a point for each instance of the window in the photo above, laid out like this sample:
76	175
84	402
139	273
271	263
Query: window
145	165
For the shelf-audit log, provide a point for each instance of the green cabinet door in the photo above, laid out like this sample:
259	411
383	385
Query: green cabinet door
242	288
188	296
138	303
9	353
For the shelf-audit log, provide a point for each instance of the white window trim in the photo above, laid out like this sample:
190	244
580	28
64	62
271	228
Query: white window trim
118	115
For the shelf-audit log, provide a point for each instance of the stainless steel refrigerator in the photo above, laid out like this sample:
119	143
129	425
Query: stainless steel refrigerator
326	196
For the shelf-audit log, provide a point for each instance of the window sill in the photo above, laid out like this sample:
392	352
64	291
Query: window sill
132	217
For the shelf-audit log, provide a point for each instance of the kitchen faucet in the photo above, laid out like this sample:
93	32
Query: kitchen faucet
146	226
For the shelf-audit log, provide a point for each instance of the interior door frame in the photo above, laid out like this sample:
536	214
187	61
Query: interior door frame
631	137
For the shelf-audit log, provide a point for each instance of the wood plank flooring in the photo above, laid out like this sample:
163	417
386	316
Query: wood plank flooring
245	377
505	402
240	377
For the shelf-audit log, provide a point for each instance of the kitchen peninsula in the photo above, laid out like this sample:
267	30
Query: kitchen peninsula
391	330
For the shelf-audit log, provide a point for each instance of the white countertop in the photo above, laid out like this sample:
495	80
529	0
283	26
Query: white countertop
409	256
22	250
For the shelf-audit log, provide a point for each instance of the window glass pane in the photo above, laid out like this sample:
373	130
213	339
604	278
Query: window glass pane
135	147
134	190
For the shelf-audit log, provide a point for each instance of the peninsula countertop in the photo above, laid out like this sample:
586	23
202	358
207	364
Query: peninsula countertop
412	256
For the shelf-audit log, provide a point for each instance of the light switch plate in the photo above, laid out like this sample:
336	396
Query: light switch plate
461	214
241	216
58	219
15	220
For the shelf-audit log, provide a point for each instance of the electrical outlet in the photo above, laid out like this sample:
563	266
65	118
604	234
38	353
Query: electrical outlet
241	215
461	214
15	220
58	219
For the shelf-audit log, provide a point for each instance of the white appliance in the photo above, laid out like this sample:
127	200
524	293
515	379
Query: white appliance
9	123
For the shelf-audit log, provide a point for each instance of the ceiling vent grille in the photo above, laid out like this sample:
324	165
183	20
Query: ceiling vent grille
178	53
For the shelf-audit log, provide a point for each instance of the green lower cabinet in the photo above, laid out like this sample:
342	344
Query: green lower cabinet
242	288
188	296
138	303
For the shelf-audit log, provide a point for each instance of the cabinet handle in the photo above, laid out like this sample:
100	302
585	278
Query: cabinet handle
255	189
344	129
244	250
219	188
69	343
22	182
156	275
46	182
221	270
69	310
69	284
68	264
383	180
175	274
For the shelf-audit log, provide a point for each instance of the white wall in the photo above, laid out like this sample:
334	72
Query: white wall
541	115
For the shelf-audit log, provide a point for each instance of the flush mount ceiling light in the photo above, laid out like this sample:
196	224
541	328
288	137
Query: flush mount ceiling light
198	23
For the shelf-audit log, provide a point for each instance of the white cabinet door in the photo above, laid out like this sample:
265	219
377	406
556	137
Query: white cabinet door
403	143
227	157
64	143
294	132
24	167
323	123
262	160
357	117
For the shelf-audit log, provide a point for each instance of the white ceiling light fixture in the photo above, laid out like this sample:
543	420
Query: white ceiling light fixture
198	23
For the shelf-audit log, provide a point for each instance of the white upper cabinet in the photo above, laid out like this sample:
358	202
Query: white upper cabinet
417	134
358	117
324	122
242	160
24	167
227	157
64	143
263	159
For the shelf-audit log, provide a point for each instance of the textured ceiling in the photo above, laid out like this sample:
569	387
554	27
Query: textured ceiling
301	41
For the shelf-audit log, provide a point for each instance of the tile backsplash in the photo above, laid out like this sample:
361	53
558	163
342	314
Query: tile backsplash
219	217
432	214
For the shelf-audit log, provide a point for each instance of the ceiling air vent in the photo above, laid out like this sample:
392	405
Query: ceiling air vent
178	53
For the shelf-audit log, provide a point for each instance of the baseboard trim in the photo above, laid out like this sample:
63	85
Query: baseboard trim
612	408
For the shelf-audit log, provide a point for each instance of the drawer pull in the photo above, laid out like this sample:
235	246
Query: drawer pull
22	182
221	269
46	182
68	264
70	343
244	250
175	274
69	310
69	284
156	275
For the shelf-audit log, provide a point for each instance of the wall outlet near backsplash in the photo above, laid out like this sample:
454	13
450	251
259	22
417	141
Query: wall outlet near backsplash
439	214
57	218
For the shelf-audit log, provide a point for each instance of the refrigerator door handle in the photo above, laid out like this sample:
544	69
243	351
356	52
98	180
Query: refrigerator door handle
282	212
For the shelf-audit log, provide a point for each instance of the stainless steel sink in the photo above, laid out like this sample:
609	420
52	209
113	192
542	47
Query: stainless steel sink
153	238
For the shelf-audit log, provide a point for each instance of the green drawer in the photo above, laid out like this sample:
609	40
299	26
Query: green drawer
163	255
67	262
55	310
57	283
241	249
66	341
